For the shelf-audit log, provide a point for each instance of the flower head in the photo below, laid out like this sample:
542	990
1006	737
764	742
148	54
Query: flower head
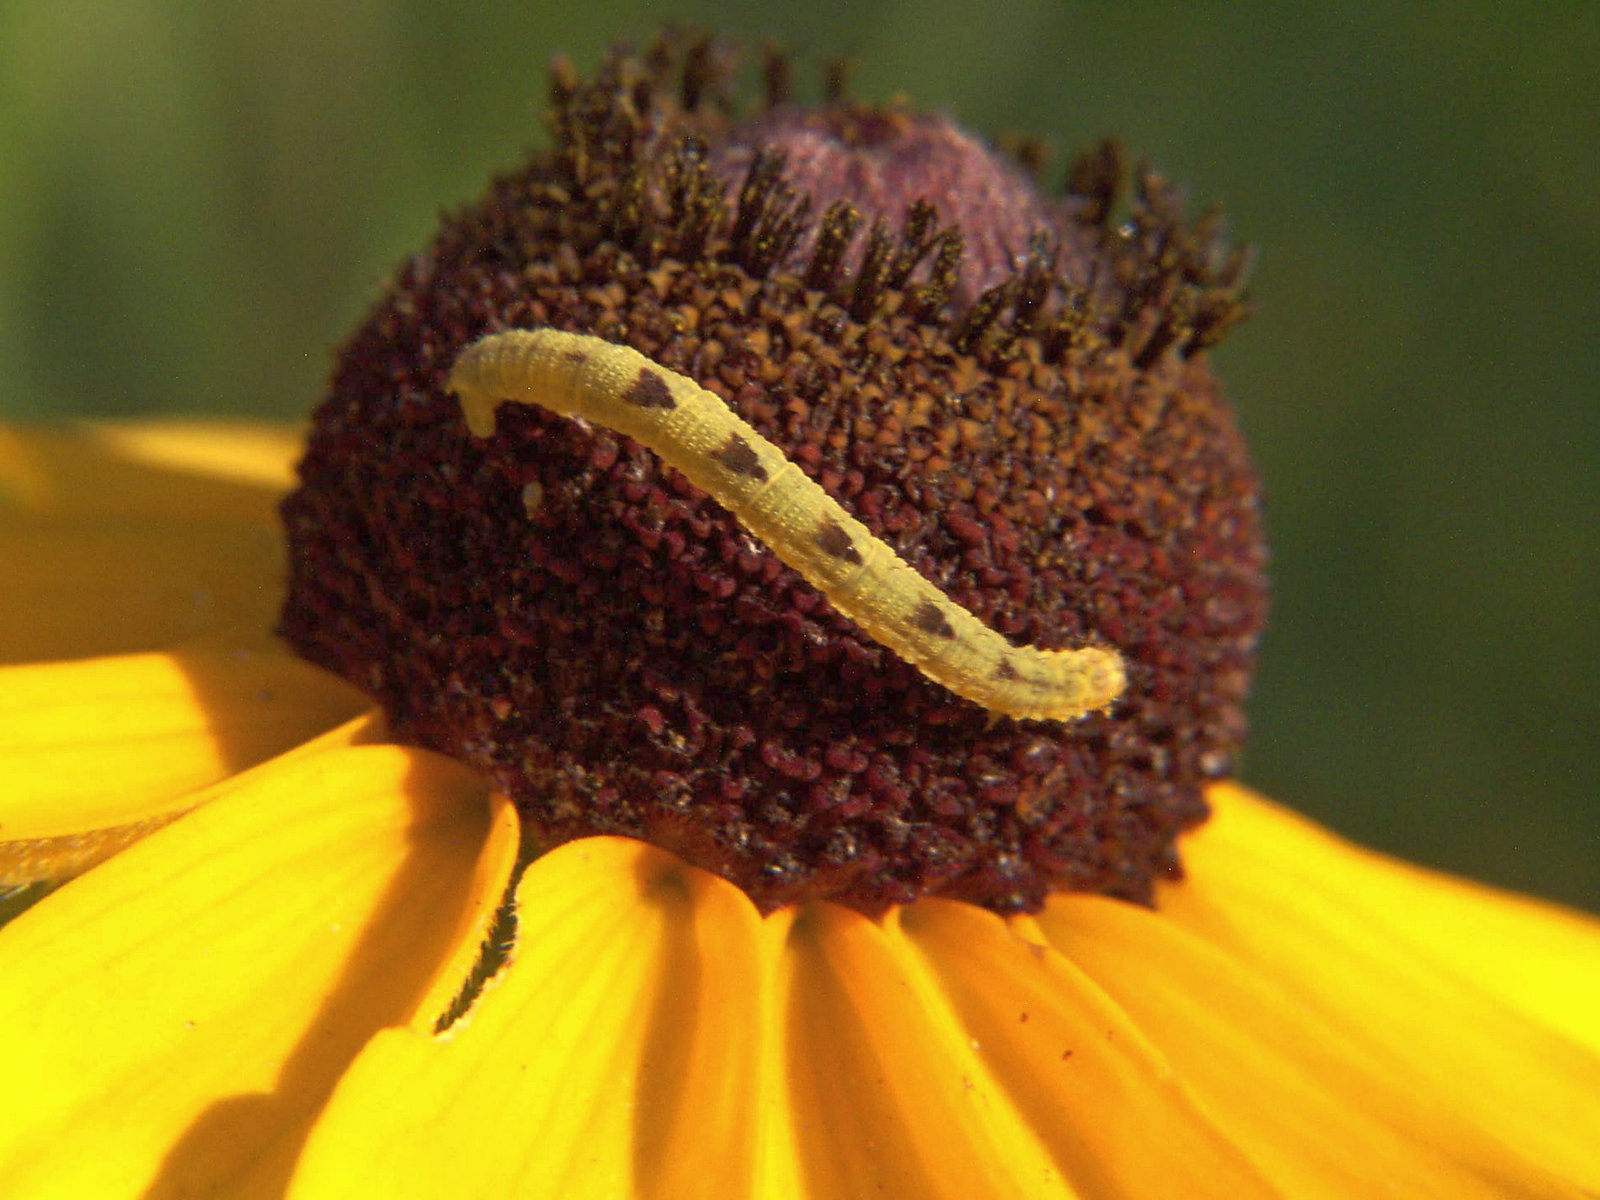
314	959
1006	391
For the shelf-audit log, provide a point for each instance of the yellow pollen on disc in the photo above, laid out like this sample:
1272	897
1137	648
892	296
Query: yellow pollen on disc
692	430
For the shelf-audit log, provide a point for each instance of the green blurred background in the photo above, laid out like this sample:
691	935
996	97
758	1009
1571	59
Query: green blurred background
197	200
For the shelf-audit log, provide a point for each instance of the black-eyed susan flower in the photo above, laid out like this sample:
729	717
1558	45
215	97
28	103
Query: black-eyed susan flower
607	857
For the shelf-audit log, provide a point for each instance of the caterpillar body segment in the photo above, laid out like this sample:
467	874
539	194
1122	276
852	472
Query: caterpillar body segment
695	432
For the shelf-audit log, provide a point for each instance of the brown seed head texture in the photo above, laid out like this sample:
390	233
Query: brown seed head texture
1009	388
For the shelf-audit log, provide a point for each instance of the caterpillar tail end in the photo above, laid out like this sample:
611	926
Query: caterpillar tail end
1101	678
1105	676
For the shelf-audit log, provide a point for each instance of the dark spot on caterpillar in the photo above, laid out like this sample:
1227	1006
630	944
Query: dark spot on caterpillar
649	391
929	619
576	356
739	458
1005	670
836	543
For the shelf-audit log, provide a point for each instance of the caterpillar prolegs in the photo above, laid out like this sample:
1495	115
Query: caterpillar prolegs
695	432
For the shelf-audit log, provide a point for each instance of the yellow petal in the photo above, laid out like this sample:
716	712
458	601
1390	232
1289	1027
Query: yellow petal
1539	957
53	859
882	1092
1107	1103
85	586
122	538
655	1039
108	742
189	470
1382	957
1324	1117
245	452
171	1022
613	1056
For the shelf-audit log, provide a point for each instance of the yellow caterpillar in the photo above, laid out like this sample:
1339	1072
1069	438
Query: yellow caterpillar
694	431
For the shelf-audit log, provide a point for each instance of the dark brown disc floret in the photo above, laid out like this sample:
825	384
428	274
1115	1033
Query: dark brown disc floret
1008	388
